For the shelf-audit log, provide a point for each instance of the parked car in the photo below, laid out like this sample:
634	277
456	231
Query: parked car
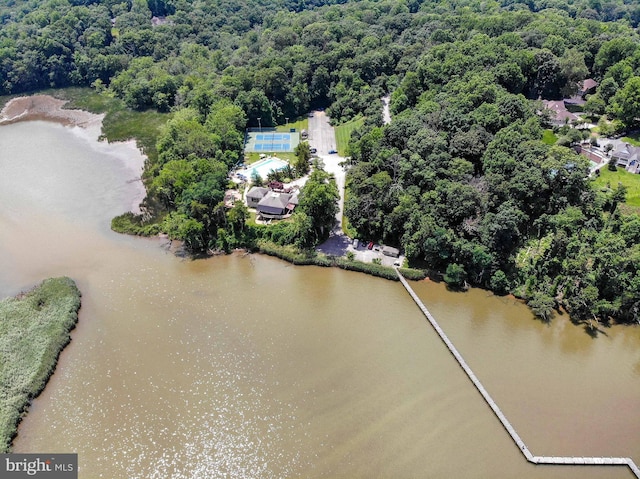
332	152
313	151
356	243
370	245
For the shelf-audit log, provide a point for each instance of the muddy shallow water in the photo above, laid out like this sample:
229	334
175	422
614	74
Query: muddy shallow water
245	366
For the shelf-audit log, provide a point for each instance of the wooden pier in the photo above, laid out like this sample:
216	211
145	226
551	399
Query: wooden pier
578	461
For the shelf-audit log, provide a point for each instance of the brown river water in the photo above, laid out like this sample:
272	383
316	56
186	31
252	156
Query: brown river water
243	366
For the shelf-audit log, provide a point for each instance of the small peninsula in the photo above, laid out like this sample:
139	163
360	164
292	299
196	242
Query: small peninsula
34	329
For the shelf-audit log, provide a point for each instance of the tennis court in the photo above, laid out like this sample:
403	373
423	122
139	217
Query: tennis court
271	142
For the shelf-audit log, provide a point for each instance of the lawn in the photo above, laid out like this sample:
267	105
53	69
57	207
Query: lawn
633	138
343	134
300	123
549	138
34	328
630	180
252	157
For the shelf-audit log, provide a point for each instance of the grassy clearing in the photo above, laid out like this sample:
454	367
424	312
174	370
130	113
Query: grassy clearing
630	180
34	328
549	137
250	158
633	138
120	123
301	123
343	134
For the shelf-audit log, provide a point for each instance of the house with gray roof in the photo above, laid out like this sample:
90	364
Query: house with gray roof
624	153
255	194
627	157
275	205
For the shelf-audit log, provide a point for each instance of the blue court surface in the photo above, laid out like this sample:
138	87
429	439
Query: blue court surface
270	146
275	137
271	141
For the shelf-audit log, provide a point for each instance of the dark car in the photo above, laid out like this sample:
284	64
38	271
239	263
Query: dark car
313	150
332	152
370	245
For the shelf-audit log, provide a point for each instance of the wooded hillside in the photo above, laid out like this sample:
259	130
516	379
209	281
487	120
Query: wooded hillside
460	180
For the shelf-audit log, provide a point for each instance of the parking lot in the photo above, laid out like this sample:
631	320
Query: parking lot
362	253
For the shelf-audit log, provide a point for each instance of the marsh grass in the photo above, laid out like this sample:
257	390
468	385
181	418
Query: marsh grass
34	329
120	122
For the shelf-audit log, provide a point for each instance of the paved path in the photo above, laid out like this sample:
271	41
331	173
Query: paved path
323	138
596	461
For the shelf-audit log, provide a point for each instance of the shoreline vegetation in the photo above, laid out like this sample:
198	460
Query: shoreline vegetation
462	180
62	105
35	327
311	257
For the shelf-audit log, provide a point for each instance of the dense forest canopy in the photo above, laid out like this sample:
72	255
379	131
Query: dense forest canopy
278	58
460	180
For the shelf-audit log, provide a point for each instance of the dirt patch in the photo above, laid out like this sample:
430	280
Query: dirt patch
47	108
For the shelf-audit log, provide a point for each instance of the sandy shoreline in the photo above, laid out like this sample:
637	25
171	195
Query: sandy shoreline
48	108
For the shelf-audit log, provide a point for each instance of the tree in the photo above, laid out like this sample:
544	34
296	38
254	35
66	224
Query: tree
595	105
612	52
573	70
256	105
179	226
256	179
542	305
499	282
319	200
626	103
227	121
237	217
455	276
184	136
303	155
547	82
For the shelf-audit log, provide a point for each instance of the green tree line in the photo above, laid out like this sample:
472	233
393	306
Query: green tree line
460	179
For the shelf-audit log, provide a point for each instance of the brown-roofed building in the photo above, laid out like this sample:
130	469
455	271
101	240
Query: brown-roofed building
559	113
588	87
